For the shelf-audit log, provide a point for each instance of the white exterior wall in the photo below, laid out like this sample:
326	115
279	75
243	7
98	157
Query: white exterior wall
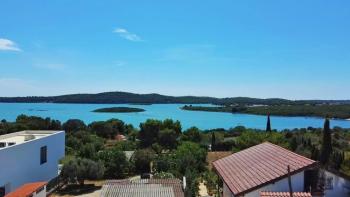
279	186
341	186
226	191
20	164
42	193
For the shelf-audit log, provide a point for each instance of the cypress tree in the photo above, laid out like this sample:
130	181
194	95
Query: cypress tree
314	153
213	141
268	126
294	144
326	149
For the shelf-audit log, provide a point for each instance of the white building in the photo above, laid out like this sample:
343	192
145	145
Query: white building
29	156
336	184
260	168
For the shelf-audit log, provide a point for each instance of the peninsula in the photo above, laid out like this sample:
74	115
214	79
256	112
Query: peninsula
338	111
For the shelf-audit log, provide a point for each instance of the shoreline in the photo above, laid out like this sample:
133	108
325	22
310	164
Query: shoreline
276	115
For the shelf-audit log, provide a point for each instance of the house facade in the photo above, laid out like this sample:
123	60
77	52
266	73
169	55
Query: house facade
29	156
263	167
280	185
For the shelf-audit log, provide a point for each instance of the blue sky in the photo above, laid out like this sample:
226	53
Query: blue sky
291	49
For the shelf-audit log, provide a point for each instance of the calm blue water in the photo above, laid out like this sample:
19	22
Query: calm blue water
202	120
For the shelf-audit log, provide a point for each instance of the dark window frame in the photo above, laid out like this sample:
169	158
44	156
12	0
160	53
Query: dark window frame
3	191
43	155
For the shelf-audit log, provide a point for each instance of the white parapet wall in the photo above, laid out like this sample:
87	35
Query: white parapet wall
29	156
41	193
278	186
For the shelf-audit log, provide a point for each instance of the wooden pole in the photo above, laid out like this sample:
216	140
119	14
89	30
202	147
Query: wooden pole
290	183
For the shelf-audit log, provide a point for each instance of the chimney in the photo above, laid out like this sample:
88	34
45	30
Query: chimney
184	182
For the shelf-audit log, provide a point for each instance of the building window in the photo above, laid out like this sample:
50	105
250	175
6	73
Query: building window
2	191
329	183
43	155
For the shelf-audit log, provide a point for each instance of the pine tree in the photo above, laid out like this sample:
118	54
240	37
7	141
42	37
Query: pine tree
268	126
326	149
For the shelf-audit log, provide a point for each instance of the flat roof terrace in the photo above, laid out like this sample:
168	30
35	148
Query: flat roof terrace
20	137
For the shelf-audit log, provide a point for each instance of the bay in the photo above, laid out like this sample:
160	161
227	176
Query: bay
202	120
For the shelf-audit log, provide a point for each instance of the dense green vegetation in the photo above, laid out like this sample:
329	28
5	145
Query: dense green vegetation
125	97
118	110
163	148
341	111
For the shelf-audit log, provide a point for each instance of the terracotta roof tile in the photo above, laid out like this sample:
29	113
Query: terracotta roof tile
284	194
258	165
26	189
213	156
143	187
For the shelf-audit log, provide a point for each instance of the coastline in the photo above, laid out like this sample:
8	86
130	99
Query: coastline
259	114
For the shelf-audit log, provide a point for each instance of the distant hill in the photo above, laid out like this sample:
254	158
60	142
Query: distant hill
110	98
126	97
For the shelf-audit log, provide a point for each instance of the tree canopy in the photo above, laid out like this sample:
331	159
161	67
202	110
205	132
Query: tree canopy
78	170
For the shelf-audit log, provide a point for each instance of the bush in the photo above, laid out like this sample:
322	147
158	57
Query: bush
74	125
116	164
163	175
78	170
142	160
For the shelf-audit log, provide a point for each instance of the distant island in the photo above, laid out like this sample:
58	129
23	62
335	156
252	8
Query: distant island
118	110
340	111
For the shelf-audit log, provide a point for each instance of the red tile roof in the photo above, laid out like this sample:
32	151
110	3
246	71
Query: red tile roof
259	165
143	187
213	156
284	194
26	189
